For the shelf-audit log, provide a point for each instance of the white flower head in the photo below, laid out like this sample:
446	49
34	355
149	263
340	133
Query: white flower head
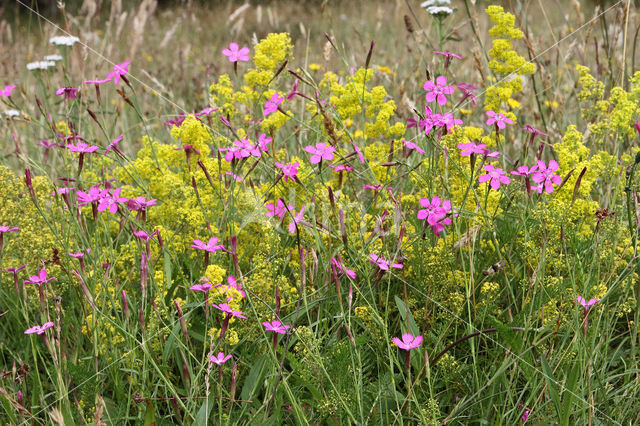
40	65
429	3
55	57
12	113
64	40
439	10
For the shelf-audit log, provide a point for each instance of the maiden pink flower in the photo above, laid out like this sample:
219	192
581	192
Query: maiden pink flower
408	341
448	121
93	196
586	304
205	287
545	176
383	263
412	146
4	228
211	247
235	54
495	175
39	279
6	92
271	105
263	141
524	171
288	170
39	329
279	209
119	70
220	359
241	149
110	201
322	151
80	254
297	218
437	91
433	211
342	269
447	54
227	310
82	148
67	92
471	148
499	119
276	326
140	203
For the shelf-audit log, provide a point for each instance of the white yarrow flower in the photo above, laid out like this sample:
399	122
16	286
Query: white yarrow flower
429	3
64	40
40	65
53	58
439	10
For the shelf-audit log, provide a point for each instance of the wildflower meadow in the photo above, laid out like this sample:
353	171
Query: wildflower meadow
319	212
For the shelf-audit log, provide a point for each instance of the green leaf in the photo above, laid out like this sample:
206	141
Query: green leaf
204	412
255	376
407	317
150	414
551	384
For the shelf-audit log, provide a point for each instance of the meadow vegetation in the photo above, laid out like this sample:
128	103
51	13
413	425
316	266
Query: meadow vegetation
319	213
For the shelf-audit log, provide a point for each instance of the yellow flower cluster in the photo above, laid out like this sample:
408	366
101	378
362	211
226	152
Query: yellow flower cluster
505	61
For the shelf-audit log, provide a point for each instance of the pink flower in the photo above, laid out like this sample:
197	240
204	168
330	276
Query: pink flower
79	255
241	149
341	168
533	130
342	269
288	170
212	246
359	153
201	287
118	71
220	359
93	196
279	209
408	341
143	235
227	309
498	118
322	151
68	92
472	148
39	329
383	263
233	283
466	89
525	414
110	201
263	141
4	229
113	145
140	203
6	92
297	218
448	121
82	148
435	214
235	54
545	176
438	90
447	54
524	171
271	105
276	326
412	146
97	82
495	175
586	304
39	279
